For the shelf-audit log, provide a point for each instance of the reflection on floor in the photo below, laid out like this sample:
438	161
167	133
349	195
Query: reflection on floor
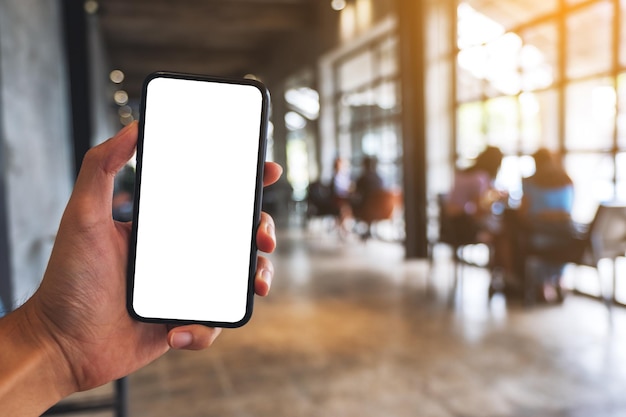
352	329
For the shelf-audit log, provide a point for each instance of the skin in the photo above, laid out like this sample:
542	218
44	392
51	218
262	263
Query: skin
74	333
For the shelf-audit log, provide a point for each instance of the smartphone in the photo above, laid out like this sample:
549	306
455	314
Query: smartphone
197	200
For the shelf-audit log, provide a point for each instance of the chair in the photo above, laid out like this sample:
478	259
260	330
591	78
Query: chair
603	238
320	202
456	233
380	206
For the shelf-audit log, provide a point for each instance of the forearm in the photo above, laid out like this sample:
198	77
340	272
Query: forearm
32	372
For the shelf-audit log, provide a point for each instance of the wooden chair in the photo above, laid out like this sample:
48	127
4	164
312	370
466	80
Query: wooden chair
380	206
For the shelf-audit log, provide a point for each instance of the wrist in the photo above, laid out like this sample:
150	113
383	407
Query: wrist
34	373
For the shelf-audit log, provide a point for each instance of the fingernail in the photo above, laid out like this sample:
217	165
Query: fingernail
270	230
266	276
181	340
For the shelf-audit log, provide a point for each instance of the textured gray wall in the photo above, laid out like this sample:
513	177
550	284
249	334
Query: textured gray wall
35	136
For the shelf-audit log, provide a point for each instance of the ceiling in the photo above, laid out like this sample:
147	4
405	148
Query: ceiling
218	37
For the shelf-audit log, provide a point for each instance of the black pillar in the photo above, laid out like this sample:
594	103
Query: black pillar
6	284
411	24
277	197
279	109
76	41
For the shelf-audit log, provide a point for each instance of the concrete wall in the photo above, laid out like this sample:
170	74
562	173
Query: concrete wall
35	135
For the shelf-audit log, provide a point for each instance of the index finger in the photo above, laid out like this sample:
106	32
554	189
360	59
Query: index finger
272	173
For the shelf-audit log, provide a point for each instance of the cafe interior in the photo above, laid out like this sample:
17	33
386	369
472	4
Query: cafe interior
387	313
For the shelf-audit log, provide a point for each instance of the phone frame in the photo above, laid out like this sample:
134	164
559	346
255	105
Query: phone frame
262	147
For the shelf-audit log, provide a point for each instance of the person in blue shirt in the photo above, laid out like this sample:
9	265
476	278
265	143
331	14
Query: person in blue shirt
546	208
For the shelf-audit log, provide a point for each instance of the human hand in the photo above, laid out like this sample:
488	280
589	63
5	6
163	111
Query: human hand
79	312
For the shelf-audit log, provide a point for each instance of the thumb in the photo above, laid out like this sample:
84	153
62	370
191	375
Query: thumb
101	163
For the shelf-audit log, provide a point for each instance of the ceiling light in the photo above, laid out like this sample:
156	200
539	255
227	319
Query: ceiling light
338	4
91	6
116	76
121	97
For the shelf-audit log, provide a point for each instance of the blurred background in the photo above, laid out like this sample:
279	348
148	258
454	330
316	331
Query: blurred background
421	85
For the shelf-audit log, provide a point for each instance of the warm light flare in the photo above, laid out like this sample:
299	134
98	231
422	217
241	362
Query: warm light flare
338	4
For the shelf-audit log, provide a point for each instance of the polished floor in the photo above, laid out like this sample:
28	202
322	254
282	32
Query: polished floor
352	329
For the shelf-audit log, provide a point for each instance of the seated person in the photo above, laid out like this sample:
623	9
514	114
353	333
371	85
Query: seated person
340	190
468	210
341	183
368	183
331	199
468	205
546	210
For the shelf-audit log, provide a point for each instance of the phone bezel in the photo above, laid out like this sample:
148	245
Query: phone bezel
263	129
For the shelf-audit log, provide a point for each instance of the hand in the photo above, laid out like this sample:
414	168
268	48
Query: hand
79	312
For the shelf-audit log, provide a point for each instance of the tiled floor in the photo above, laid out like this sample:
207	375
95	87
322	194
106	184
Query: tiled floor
351	329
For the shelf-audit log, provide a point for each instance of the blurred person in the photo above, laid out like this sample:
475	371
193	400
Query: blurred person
548	197
340	191
341	183
365	201
367	184
75	333
469	202
470	209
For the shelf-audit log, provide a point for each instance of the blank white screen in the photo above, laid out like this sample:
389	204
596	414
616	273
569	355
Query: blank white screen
195	222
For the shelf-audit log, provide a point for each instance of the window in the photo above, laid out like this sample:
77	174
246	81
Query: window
519	90
589	40
367	107
590	115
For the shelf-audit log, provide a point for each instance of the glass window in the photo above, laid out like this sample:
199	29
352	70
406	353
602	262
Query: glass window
492	62
539	121
510	176
471	137
622	43
386	98
297	165
621	108
303	106
593	182
501	66
511	14
367	107
356	71
584	280
495	62
389	151
383	142
516	89
388	62
538	58
469	83
589	40
620	285
475	28
361	105
590	115
502	123
620	186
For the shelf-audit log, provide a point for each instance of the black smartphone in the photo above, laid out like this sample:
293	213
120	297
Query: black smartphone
197	201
